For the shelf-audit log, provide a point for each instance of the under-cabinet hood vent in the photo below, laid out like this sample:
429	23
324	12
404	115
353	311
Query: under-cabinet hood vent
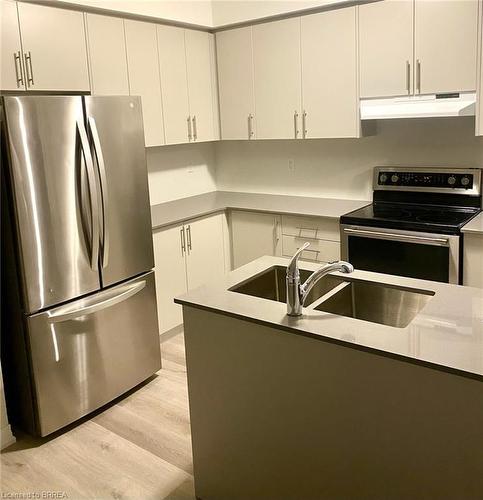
427	106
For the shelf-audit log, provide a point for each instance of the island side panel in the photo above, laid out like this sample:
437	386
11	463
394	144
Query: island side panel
276	415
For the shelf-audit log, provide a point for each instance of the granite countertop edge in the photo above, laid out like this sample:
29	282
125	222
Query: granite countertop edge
183	209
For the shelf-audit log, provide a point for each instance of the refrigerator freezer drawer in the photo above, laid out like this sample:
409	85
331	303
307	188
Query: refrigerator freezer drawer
88	352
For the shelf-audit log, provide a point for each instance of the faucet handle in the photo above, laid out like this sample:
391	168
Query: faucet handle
292	268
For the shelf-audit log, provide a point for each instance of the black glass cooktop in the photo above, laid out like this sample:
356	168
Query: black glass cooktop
411	217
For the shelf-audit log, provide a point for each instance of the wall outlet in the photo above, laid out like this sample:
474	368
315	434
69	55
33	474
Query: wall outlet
291	166
190	170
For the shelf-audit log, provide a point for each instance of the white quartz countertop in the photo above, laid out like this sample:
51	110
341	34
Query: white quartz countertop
173	212
447	334
475	225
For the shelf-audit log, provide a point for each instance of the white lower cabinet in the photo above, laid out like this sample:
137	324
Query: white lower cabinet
322	234
254	235
186	256
473	260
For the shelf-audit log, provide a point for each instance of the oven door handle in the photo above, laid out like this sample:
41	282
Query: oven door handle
425	240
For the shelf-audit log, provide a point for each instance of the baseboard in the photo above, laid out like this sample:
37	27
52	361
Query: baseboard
6	437
163	337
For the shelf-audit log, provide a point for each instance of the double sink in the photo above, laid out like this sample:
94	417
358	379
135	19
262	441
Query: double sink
363	300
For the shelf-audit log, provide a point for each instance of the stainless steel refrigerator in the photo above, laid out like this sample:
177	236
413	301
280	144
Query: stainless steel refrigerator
79	321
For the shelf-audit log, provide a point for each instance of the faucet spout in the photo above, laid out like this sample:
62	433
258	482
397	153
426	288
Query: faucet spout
297	293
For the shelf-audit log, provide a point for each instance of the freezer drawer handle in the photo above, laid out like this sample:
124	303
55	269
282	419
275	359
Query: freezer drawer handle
91	178
398	237
104	194
66	314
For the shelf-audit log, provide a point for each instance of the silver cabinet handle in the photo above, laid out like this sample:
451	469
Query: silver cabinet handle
28	68
104	192
69	312
408	77
276	237
18	69
418	76
190	134
425	240
183	241
250	126
304	124
295	124
91	180
195	131
188	232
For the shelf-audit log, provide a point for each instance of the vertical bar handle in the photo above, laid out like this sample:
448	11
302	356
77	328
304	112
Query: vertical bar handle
28	68
295	124
18	69
91	179
418	75
195	131
104	192
188	231
304	124
183	241
408	77
250	126
190	134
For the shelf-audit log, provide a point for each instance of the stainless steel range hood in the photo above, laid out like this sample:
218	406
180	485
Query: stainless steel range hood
427	106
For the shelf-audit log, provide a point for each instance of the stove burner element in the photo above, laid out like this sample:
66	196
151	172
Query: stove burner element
439	218
391	213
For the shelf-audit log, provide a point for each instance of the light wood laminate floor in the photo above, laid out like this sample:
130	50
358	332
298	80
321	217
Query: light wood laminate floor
139	447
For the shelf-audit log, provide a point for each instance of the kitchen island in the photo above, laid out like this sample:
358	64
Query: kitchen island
331	405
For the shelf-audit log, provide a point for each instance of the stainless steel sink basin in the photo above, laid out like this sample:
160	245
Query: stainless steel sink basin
271	285
387	305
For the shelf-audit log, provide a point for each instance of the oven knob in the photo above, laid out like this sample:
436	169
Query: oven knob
395	178
452	180
465	181
382	178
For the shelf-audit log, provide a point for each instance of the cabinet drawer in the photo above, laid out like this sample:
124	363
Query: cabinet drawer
319	250
311	228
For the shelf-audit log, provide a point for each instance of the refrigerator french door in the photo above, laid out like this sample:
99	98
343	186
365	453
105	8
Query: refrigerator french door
81	231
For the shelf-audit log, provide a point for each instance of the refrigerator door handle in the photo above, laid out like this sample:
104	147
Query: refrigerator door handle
104	195
68	313
91	178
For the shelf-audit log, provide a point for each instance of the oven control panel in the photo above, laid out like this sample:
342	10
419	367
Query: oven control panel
466	181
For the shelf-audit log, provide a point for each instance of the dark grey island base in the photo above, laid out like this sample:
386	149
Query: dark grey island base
289	417
326	406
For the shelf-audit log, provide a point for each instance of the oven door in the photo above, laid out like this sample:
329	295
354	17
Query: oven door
413	254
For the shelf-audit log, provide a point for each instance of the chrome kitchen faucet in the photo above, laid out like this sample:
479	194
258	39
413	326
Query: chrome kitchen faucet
296	292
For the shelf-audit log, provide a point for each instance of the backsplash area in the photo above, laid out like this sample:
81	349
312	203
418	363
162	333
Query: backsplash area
332	168
342	168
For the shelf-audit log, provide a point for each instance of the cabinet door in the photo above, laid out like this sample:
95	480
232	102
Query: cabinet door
107	55
170	272
200	91
479	101
445	46
254	235
143	68
276	61
329	74
386	48
235	77
56	43
473	260
11	62
205	246
174	83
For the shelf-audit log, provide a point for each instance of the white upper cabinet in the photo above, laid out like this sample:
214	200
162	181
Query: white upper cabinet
200	85
12	75
445	45
276	60
235	79
54	47
174	84
479	109
107	55
329	74
143	68
386	48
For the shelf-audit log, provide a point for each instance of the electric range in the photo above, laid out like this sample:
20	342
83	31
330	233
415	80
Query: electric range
413	227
